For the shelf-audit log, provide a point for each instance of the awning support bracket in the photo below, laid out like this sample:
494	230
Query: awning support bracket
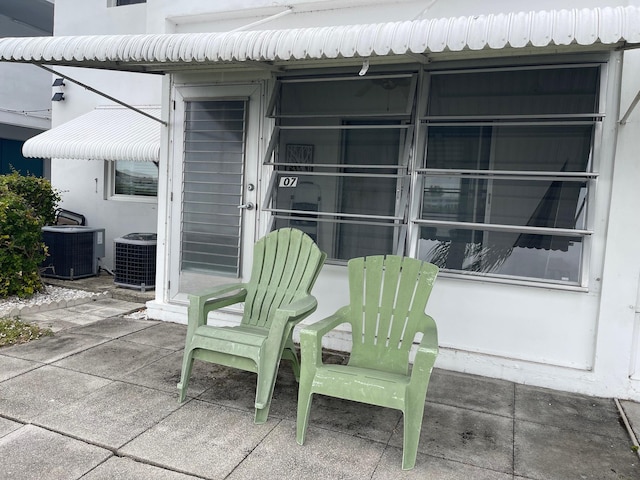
109	97
635	101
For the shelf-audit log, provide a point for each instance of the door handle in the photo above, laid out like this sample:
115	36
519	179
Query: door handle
246	206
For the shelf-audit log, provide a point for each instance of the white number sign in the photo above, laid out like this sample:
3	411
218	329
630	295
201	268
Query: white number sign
288	182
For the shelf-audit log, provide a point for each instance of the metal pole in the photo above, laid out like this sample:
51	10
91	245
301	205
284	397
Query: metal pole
91	89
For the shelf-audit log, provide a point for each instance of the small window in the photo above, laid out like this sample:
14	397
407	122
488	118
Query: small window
120	3
137	179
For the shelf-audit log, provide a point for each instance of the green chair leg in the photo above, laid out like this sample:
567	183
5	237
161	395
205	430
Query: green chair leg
304	408
187	365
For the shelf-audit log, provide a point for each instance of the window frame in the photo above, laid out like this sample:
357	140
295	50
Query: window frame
413	172
401	121
116	3
590	176
110	187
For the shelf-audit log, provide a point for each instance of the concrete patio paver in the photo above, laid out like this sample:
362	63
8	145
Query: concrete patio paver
432	468
127	469
34	453
8	426
115	359
115	327
472	392
100	398
12	367
111	416
548	452
466	436
52	349
577	412
164	335
201	439
44	389
326	454
164	374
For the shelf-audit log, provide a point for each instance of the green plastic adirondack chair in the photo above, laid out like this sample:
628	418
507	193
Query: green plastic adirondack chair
388	296
286	263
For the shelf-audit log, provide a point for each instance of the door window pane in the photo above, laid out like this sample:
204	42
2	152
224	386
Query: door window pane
212	186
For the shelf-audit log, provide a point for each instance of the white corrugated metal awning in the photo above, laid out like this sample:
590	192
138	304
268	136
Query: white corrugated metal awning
160	52
106	133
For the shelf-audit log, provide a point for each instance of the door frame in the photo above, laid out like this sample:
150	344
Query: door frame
180	284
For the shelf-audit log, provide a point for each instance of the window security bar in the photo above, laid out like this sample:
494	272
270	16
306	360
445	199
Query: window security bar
285	173
510	174
342	116
308	213
394	126
341	166
561	232
551	116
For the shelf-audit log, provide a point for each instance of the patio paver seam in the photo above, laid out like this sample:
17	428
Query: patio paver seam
53	364
363	437
475	410
36	423
469	464
568	429
77	329
254	448
13	419
116	452
144	461
57	359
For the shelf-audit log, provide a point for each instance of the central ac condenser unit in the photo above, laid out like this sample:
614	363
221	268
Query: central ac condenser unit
73	251
135	261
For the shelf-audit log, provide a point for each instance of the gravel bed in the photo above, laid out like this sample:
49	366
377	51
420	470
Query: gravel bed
53	297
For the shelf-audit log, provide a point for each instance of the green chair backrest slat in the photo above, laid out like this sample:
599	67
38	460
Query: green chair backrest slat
388	299
276	279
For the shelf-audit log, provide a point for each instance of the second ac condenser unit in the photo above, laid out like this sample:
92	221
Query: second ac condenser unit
135	260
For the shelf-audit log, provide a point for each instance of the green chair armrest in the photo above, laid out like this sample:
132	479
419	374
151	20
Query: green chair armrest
427	349
296	311
324	326
311	336
286	317
201	303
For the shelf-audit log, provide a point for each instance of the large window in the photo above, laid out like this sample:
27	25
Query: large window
487	172
507	171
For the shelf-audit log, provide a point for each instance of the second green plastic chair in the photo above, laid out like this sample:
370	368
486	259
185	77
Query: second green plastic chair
388	296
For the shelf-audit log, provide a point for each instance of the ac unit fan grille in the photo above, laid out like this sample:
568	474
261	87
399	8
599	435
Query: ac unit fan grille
135	263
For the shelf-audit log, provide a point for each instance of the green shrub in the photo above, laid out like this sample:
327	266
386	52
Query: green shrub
26	205
38	193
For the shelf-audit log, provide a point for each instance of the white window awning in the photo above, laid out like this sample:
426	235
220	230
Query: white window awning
106	133
608	26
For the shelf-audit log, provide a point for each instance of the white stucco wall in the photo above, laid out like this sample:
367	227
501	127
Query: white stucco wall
25	88
83	182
